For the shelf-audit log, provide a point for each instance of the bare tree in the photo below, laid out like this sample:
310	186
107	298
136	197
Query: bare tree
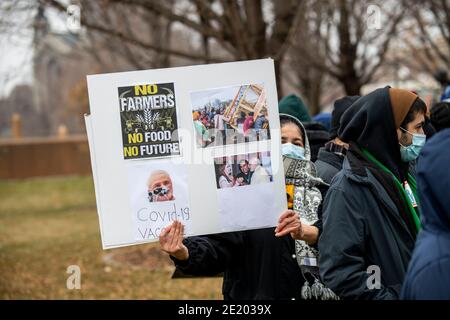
338	41
240	29
427	36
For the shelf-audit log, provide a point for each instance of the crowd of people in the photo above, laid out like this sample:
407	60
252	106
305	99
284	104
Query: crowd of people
213	122
368	219
212	119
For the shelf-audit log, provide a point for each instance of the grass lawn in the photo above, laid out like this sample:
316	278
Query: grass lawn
49	224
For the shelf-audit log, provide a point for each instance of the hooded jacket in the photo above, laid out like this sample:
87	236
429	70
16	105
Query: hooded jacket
428	274
364	224
374	125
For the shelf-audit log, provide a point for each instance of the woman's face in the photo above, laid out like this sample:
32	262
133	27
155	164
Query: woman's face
228	170
291	133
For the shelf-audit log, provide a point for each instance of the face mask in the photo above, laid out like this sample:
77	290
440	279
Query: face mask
154	195
411	152
291	150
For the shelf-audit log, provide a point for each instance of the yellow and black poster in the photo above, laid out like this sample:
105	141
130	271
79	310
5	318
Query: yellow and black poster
149	121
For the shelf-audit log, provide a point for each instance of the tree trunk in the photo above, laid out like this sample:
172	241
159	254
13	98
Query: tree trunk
278	74
311	87
352	86
314	98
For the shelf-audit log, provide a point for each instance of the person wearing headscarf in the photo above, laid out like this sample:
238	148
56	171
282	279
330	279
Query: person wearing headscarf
370	213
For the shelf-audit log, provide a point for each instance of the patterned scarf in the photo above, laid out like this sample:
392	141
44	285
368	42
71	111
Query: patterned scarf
304	197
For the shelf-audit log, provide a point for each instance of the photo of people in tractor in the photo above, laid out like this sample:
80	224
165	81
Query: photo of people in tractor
230	115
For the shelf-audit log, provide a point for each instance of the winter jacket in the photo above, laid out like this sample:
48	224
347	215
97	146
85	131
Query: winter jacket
428	275
361	228
369	224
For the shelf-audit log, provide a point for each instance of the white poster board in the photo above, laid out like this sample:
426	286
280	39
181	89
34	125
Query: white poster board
154	162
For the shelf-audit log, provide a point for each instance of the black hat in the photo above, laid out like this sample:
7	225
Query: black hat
440	115
340	106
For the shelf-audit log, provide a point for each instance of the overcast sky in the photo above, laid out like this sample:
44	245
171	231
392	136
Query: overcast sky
16	52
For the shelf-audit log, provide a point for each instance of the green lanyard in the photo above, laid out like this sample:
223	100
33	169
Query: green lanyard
400	187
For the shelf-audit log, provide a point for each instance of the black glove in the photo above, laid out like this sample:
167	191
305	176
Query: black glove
440	115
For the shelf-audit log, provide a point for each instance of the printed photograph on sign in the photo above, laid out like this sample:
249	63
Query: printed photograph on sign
149	121
245	191
243	170
230	115
158	196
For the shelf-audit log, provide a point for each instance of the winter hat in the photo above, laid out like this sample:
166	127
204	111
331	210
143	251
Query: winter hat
294	106
340	106
440	115
323	118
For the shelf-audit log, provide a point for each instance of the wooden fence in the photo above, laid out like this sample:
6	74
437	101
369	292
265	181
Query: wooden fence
40	157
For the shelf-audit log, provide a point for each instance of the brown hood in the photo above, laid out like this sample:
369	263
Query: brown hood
372	121
401	102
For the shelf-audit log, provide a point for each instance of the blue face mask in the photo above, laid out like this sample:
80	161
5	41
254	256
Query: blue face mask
293	151
411	152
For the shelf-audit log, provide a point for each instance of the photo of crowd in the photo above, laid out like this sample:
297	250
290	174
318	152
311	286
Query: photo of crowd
243	170
230	115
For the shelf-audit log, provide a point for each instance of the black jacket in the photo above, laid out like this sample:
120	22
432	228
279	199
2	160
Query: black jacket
362	227
256	264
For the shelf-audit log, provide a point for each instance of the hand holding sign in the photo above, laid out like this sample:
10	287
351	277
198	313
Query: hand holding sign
178	146
171	241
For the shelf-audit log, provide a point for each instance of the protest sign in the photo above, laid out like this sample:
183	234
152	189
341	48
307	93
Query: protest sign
197	144
149	120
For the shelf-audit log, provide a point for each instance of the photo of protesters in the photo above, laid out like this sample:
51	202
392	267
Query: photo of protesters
160	187
243	170
230	115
